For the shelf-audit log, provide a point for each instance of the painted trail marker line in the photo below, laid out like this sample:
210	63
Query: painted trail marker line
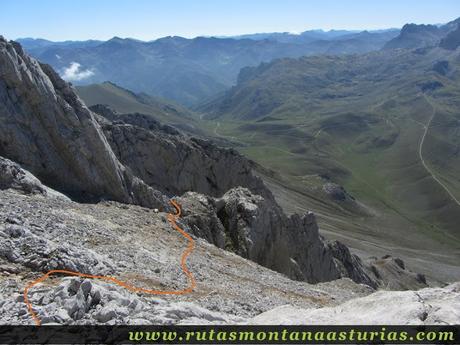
172	218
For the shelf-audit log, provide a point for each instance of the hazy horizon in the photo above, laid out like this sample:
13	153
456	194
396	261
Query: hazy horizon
209	36
149	20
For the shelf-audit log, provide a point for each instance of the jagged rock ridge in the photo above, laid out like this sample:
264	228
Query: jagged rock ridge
173	162
414	36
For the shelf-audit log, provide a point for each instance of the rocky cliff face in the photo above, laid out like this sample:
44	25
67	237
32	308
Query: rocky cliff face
174	163
45	127
257	229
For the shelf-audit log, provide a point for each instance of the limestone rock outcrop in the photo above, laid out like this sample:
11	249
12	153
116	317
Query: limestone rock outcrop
174	163
350	265
256	228
259	230
46	128
427	306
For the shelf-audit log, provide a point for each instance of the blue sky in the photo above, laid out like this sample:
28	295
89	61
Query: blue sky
150	19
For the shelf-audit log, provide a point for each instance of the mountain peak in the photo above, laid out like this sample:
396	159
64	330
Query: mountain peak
116	39
417	28
120	40
414	36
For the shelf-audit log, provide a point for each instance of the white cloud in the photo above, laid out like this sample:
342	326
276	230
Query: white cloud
74	73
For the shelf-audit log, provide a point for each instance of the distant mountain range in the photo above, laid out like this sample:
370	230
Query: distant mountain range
270	88
193	71
314	35
189	71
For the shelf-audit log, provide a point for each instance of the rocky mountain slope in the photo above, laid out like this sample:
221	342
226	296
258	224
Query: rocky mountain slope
126	101
40	232
122	101
43	230
172	162
429	306
451	40
416	36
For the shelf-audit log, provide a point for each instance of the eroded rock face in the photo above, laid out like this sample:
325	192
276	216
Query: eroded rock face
256	228
199	213
46	128
351	265
260	231
174	163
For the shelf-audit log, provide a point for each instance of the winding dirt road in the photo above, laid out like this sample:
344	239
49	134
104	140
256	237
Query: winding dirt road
420	153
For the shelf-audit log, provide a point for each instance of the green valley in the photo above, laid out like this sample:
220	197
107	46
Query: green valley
384	125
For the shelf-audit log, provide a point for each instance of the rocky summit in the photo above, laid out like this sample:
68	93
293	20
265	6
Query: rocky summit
88	190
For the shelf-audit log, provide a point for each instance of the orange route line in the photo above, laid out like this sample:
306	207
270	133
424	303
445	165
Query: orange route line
172	218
